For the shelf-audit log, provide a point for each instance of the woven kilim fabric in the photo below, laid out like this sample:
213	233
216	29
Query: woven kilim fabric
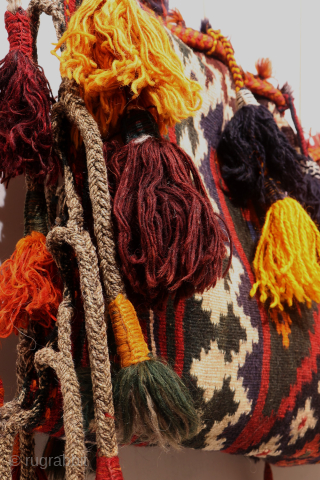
255	380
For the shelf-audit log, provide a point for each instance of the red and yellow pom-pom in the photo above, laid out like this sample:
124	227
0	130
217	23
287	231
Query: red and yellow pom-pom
30	285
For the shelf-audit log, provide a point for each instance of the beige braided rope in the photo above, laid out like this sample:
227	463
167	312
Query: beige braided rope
25	359
62	363
98	187
94	308
26	456
12	418
51	8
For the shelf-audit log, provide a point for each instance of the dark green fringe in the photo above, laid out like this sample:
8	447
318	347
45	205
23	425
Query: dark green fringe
152	402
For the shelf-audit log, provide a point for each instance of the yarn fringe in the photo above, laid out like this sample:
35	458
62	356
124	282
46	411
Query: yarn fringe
114	43
168	237
264	68
30	285
152	402
286	262
25	100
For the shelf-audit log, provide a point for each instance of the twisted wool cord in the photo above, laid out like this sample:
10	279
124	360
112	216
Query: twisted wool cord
12	418
29	285
24	365
114	43
51	8
98	187
62	363
131	346
26	456
261	87
93	303
286	262
95	325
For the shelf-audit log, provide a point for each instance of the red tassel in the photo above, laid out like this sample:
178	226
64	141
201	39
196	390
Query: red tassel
29	285
25	101
108	469
40	474
168	237
16	472
267	472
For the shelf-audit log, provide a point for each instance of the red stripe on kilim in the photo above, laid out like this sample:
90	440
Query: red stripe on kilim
179	339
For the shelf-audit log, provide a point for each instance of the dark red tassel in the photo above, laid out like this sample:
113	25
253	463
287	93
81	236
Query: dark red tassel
267	472
40	474
15	471
108	469
25	101
168	237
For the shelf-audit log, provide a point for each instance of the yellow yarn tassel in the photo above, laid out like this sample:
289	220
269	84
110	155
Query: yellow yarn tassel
286	263
114	43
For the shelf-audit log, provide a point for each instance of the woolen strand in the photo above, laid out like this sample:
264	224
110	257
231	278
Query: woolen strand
168	237
25	101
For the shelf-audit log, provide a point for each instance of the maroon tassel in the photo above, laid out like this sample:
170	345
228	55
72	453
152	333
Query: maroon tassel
40	474
168	237
25	101
15	471
267	472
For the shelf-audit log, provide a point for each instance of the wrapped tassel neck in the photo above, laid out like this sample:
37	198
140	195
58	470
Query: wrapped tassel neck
138	123
18	28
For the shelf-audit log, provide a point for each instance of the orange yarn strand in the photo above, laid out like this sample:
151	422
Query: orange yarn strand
283	325
29	286
112	44
131	346
286	263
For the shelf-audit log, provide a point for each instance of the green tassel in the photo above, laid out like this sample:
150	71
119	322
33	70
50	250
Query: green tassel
152	402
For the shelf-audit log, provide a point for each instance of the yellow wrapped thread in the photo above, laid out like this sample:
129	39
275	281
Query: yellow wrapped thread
286	263
131	346
114	43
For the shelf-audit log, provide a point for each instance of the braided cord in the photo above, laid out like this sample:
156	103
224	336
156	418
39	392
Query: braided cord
233	66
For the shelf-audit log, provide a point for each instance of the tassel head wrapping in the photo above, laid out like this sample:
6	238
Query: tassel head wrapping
114	43
19	34
131	346
286	262
29	286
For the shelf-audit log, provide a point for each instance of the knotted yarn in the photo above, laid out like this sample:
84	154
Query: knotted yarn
25	102
29	286
114	44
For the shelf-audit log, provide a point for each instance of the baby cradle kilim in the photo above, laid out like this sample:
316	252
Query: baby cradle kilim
254	378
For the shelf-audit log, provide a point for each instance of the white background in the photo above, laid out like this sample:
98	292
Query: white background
288	33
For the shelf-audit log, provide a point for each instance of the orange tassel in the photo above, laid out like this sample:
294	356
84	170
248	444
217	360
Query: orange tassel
30	285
